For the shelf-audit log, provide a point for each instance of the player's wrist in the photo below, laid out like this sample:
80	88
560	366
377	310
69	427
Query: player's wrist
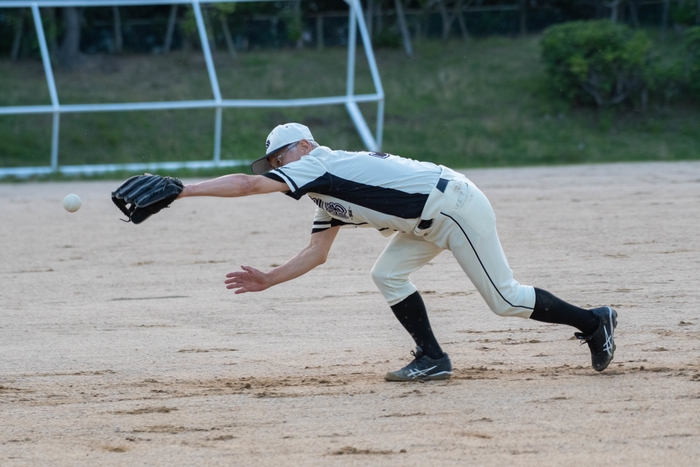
186	191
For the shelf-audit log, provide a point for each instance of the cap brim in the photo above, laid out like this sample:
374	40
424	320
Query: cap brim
261	166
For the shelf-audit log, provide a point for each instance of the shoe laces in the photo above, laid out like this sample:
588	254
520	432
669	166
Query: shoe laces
418	353
583	338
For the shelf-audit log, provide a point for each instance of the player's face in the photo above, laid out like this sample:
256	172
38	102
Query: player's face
277	160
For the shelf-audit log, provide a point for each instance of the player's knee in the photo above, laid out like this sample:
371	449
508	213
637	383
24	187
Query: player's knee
516	300
380	276
394	288
505	310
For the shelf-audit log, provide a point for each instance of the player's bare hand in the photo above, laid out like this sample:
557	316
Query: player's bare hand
247	280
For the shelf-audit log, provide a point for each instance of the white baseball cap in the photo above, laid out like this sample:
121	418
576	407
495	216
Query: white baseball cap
278	138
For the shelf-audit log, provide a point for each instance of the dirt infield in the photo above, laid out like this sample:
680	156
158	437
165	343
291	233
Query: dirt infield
119	344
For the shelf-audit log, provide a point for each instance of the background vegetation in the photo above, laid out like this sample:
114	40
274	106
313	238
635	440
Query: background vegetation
481	101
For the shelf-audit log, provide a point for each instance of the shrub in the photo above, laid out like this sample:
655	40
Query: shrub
667	79
676	71
596	61
692	50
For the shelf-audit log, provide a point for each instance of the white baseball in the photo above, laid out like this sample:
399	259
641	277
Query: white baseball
71	203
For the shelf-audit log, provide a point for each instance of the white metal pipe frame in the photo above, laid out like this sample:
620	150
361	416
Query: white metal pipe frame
218	103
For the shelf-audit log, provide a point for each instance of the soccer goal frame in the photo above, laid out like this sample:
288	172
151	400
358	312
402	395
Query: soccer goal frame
350	100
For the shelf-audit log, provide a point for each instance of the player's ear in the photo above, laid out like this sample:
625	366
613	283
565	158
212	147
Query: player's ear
306	147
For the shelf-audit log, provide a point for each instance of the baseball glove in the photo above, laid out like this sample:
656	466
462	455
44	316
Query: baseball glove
144	195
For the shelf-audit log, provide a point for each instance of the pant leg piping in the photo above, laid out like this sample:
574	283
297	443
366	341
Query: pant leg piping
482	264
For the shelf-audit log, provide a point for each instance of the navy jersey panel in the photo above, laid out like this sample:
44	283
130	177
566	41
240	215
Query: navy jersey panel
277	178
386	200
361	188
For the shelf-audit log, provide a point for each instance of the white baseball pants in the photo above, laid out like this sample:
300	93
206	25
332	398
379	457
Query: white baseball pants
463	222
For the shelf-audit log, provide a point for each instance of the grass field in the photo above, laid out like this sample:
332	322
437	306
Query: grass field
475	104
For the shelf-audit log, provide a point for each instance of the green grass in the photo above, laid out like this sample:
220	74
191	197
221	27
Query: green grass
475	104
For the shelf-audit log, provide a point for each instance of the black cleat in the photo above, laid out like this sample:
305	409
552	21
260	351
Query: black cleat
423	368
601	342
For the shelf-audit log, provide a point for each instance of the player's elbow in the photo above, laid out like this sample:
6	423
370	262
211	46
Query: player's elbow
320	246
246	185
321	257
317	256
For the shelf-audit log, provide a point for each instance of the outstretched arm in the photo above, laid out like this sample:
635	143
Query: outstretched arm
234	185
252	280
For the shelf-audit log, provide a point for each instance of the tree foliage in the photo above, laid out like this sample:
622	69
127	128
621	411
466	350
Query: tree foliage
596	61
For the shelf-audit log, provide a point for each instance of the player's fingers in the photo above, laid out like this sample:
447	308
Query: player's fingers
244	270
238	285
251	270
246	280
238	288
237	276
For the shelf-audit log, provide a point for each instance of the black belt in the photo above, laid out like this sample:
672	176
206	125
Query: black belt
441	185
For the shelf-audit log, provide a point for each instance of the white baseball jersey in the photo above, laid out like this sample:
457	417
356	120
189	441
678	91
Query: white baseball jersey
391	194
372	189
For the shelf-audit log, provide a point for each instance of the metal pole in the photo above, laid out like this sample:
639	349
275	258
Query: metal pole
50	82
350	100
352	46
217	135
55	127
367	43
380	124
212	76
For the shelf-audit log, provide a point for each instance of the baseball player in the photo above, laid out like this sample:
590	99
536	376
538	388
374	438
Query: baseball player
427	208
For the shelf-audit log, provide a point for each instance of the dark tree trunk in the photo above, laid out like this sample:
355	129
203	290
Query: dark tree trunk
446	20
634	12
19	32
664	18
403	26
227	37
614	13
523	17
118	38
51	30
69	51
369	17
460	19
171	29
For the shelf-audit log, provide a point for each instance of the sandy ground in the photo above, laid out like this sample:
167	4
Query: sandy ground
119	344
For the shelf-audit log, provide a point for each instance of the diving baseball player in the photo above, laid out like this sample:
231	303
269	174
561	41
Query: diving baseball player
427	208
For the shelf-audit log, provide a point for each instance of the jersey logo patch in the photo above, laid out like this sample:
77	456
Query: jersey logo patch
334	209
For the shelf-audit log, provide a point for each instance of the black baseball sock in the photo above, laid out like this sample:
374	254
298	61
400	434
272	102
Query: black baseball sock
550	309
412	314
